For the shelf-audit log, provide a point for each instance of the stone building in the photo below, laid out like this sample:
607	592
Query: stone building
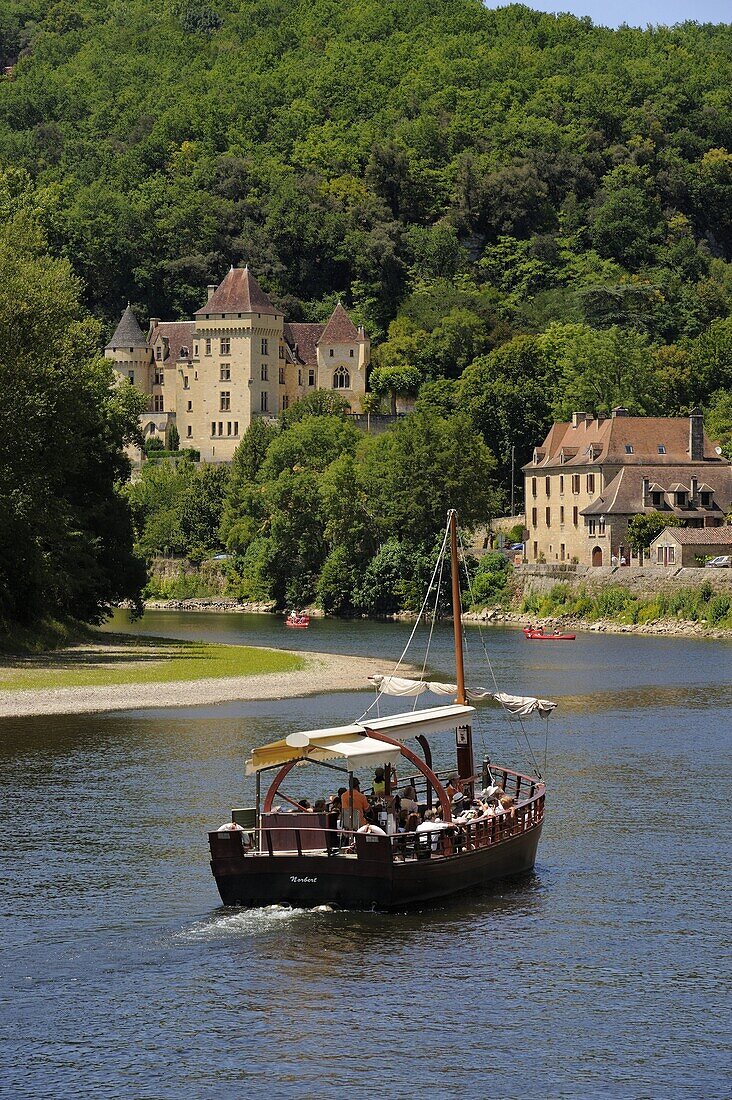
590	476
238	359
684	547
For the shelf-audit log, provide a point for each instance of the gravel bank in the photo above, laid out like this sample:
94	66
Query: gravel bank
324	672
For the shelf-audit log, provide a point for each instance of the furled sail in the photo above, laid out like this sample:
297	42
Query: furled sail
523	705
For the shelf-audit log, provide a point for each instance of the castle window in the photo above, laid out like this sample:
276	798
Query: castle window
282	376
184	354
195	351
213	427
158	403
575	483
228	427
331	353
208	347
264	401
629	448
548	485
225	404
575	516
131	375
561	483
225	345
533	517
236	427
225	375
341	379
265	372
533	486
186	382
285	401
299	377
158	352
159	377
548	517
661	448
311	377
561	514
264	346
189	431
282	351
190	406
351	353
590	483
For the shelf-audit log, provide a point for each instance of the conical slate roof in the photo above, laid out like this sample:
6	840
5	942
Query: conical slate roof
128	332
340	329
239	292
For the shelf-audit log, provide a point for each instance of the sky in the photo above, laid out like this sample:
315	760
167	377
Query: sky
636	13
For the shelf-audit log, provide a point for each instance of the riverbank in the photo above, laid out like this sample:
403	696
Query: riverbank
136	673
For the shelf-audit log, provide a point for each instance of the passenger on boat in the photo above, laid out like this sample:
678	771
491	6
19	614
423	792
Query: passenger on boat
451	787
319	807
305	805
378	790
230	827
408	799
432	826
360	805
370	825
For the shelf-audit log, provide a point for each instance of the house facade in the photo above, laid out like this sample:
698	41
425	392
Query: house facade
236	360
590	476
683	547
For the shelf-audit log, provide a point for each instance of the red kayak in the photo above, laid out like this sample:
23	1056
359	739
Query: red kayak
299	622
540	636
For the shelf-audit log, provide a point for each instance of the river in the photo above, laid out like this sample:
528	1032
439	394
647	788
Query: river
603	974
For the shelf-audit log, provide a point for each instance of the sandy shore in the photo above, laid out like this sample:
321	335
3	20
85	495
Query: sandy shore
324	672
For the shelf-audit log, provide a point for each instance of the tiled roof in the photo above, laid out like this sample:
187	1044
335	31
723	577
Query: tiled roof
238	292
624	494
128	332
340	329
594	442
303	339
178	334
700	536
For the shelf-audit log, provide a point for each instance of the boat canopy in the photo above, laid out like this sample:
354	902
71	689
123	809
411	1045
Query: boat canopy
352	742
517	704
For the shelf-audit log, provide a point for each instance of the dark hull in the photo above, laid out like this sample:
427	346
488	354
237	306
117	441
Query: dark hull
308	880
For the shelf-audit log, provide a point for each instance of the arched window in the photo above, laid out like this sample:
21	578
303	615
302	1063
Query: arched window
341	379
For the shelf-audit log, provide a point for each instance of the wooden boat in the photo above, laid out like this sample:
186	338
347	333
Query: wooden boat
266	856
540	636
297	622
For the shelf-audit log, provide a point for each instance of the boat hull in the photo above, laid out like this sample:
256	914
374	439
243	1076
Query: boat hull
309	880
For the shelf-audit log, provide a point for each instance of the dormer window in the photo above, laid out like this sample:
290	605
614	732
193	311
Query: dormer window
662	448
706	499
629	448
158	352
680	499
331	353
656	499
184	352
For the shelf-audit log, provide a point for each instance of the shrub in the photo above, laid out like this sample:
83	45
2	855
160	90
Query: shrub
719	609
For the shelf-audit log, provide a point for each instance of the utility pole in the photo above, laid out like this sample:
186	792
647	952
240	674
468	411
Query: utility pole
513	456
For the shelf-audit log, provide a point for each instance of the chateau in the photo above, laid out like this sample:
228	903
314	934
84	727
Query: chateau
237	360
591	476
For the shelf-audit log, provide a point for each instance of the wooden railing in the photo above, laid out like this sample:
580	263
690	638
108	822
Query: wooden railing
444	840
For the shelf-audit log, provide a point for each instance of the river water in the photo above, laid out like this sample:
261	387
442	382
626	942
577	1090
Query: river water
605	973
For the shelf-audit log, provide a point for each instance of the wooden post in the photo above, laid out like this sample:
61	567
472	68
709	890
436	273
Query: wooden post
464	735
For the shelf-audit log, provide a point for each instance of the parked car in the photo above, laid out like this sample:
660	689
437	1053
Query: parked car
722	562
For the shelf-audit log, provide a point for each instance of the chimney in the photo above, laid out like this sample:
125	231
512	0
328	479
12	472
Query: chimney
578	418
696	435
646	491
693	489
154	322
620	411
210	291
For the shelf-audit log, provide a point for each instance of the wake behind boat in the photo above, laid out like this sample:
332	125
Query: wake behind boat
433	835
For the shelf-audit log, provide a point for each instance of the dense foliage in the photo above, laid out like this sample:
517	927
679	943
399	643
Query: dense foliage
463	178
65	531
313	509
698	605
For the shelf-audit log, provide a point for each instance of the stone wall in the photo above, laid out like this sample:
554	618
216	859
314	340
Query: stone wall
645	580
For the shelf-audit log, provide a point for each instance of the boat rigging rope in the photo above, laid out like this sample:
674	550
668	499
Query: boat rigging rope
509	717
434	620
438	568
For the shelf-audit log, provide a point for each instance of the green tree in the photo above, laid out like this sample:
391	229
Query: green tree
645	527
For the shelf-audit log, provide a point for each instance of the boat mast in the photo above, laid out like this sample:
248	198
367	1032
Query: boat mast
464	734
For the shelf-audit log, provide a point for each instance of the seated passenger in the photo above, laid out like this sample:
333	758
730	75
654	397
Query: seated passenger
319	807
412	823
370	825
408	799
451	787
305	805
